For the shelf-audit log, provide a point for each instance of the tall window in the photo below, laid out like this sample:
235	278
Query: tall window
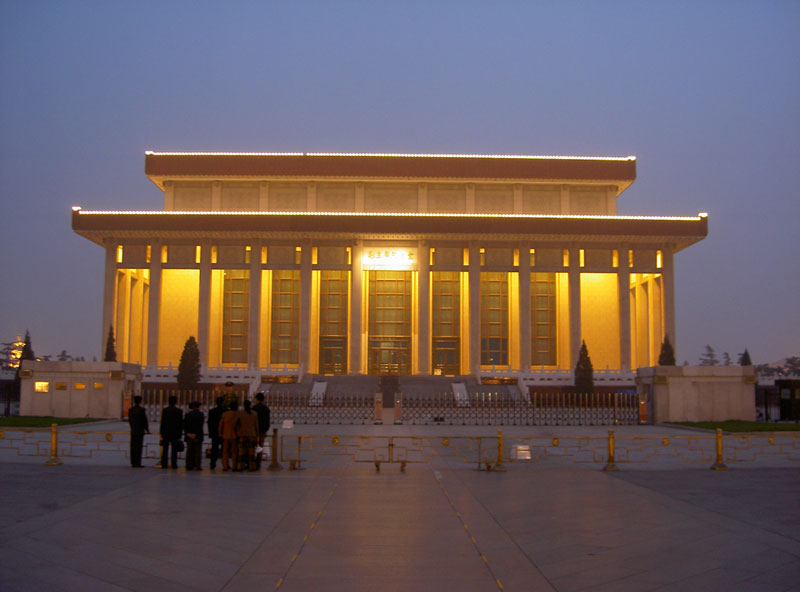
445	320
235	315
389	322
285	333
494	318
333	322
543	319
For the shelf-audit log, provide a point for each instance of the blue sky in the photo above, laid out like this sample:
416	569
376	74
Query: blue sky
705	94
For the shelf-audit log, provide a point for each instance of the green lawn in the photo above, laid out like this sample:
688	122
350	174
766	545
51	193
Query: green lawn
29	421
741	426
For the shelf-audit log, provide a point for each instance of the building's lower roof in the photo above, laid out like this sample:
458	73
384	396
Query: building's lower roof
679	232
162	166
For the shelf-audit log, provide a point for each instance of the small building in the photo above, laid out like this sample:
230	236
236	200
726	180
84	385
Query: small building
78	389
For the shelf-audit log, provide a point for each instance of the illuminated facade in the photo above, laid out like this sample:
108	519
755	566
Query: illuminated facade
374	264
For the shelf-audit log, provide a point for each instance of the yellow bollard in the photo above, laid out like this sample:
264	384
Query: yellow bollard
53	461
720	464
611	465
275	465
499	464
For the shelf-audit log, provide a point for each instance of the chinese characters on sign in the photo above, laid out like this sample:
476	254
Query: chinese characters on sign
386	258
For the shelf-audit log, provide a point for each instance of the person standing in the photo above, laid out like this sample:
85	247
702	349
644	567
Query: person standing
137	418
262	411
227	430
193	433
214	417
171	431
247	433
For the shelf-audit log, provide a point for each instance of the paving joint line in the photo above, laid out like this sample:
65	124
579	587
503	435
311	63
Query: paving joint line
500	526
313	525
438	476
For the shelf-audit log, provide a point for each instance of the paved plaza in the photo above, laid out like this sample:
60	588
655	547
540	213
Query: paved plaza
441	525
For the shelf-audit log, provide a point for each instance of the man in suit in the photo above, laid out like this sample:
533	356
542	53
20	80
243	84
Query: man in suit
171	432
137	418
193	432
263	424
214	416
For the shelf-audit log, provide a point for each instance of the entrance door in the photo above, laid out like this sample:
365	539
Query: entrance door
389	357
446	357
333	356
389	314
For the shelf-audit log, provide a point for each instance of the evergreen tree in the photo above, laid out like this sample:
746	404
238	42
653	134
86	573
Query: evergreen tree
189	367
584	373
709	358
726	359
744	358
27	348
111	350
27	354
667	355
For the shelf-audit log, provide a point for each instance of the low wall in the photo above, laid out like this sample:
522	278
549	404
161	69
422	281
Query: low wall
78	389
698	393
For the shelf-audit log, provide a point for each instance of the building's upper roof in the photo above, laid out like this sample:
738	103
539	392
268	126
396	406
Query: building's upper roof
163	166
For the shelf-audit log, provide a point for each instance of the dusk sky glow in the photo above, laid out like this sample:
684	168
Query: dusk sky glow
706	95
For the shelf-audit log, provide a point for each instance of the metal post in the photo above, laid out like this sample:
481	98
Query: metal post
275	465
499	464
719	465
611	465
53	461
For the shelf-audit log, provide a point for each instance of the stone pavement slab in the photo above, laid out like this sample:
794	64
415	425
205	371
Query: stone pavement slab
340	525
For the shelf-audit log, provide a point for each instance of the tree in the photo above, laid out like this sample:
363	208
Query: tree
726	359
111	350
189	367
63	356
667	355
709	358
27	354
584	373
744	358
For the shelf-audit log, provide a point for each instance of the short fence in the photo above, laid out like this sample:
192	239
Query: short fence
547	409
489	452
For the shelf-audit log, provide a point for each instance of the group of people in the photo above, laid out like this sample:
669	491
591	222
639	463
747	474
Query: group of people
235	434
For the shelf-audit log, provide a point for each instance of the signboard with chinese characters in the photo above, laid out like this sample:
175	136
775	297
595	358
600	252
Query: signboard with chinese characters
389	258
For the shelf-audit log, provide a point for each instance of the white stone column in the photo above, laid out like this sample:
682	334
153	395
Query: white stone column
254	319
474	308
204	303
668	278
109	289
263	196
574	305
565	207
423	309
524	307
356	288
624	297
169	195
154	303
216	196
305	305
517	193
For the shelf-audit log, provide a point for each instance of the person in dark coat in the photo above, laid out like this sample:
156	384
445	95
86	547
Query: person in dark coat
262	411
137	418
193	434
214	415
171	432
